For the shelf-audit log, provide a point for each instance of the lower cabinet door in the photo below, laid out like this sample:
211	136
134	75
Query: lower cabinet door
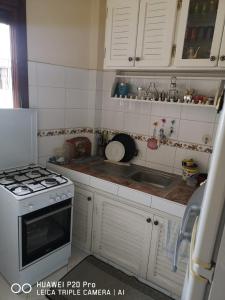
82	219
122	234
160	259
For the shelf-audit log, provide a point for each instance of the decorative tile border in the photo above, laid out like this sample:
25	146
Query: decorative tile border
64	131
138	137
169	142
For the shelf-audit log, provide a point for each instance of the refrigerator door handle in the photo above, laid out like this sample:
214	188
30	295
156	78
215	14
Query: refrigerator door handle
184	234
183	230
176	252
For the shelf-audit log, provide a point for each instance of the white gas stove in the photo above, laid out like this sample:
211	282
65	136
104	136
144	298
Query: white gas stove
31	179
36	205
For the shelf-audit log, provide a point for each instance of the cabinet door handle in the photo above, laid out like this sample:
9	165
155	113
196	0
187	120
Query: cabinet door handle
148	220
89	198
137	58
212	58
156	223
222	57
130	58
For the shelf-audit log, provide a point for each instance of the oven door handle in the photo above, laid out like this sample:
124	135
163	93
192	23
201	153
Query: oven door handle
48	214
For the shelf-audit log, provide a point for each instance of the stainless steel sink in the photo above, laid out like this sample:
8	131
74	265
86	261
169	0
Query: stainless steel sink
136	173
115	170
155	178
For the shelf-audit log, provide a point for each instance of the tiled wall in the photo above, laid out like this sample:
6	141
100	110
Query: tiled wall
65	98
73	98
191	125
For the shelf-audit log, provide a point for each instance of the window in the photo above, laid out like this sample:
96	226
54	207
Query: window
13	54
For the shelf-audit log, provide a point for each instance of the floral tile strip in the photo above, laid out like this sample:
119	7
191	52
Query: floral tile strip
137	137
169	142
64	131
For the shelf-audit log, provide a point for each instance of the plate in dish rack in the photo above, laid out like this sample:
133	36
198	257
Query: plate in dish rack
114	151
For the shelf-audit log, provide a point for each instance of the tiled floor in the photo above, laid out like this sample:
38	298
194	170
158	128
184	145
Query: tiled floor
6	294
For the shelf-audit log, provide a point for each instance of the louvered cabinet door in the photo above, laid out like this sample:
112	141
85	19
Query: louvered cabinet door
121	33
160	263
122	235
82	219
155	33
222	51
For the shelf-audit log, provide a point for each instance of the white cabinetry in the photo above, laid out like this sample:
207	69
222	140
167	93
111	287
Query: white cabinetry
121	32
122	234
139	33
159	265
155	33
134	240
82	219
222	51
200	33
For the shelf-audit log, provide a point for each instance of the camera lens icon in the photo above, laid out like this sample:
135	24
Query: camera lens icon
16	288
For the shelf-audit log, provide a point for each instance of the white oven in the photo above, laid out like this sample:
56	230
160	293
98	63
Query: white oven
43	231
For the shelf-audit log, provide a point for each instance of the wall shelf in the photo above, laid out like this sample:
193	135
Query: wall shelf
162	102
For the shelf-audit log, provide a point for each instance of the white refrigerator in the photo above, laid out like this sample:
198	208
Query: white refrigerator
205	278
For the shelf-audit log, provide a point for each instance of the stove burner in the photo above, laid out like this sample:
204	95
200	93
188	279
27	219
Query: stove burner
10	178
35	172
24	188
51	181
21	190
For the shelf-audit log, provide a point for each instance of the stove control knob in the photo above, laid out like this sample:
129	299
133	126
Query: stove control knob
30	206
63	197
69	195
52	200
58	198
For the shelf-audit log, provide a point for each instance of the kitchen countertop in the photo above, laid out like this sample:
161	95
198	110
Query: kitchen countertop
177	192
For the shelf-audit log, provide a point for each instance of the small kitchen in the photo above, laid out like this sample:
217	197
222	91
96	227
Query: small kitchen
111	156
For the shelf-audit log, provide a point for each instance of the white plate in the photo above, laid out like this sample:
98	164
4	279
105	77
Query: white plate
115	151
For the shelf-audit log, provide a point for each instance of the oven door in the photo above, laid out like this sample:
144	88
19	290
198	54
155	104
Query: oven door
44	231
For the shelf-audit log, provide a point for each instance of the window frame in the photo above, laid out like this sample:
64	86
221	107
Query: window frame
13	13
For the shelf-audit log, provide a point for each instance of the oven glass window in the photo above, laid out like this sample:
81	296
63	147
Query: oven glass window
45	230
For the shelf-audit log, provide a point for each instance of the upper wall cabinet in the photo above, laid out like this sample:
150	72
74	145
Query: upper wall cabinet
200	32
155	32
139	33
222	51
121	32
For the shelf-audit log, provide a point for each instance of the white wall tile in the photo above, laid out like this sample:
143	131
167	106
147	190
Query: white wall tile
200	157
166	110
112	120
111	104
51	97
138	108
50	75
77	78
76	118
164	155
99	80
142	149
32	73
108	80
192	131
167	126
98	118
198	114
98	99
159	167
76	98
51	118
48	144
33	96
136	123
